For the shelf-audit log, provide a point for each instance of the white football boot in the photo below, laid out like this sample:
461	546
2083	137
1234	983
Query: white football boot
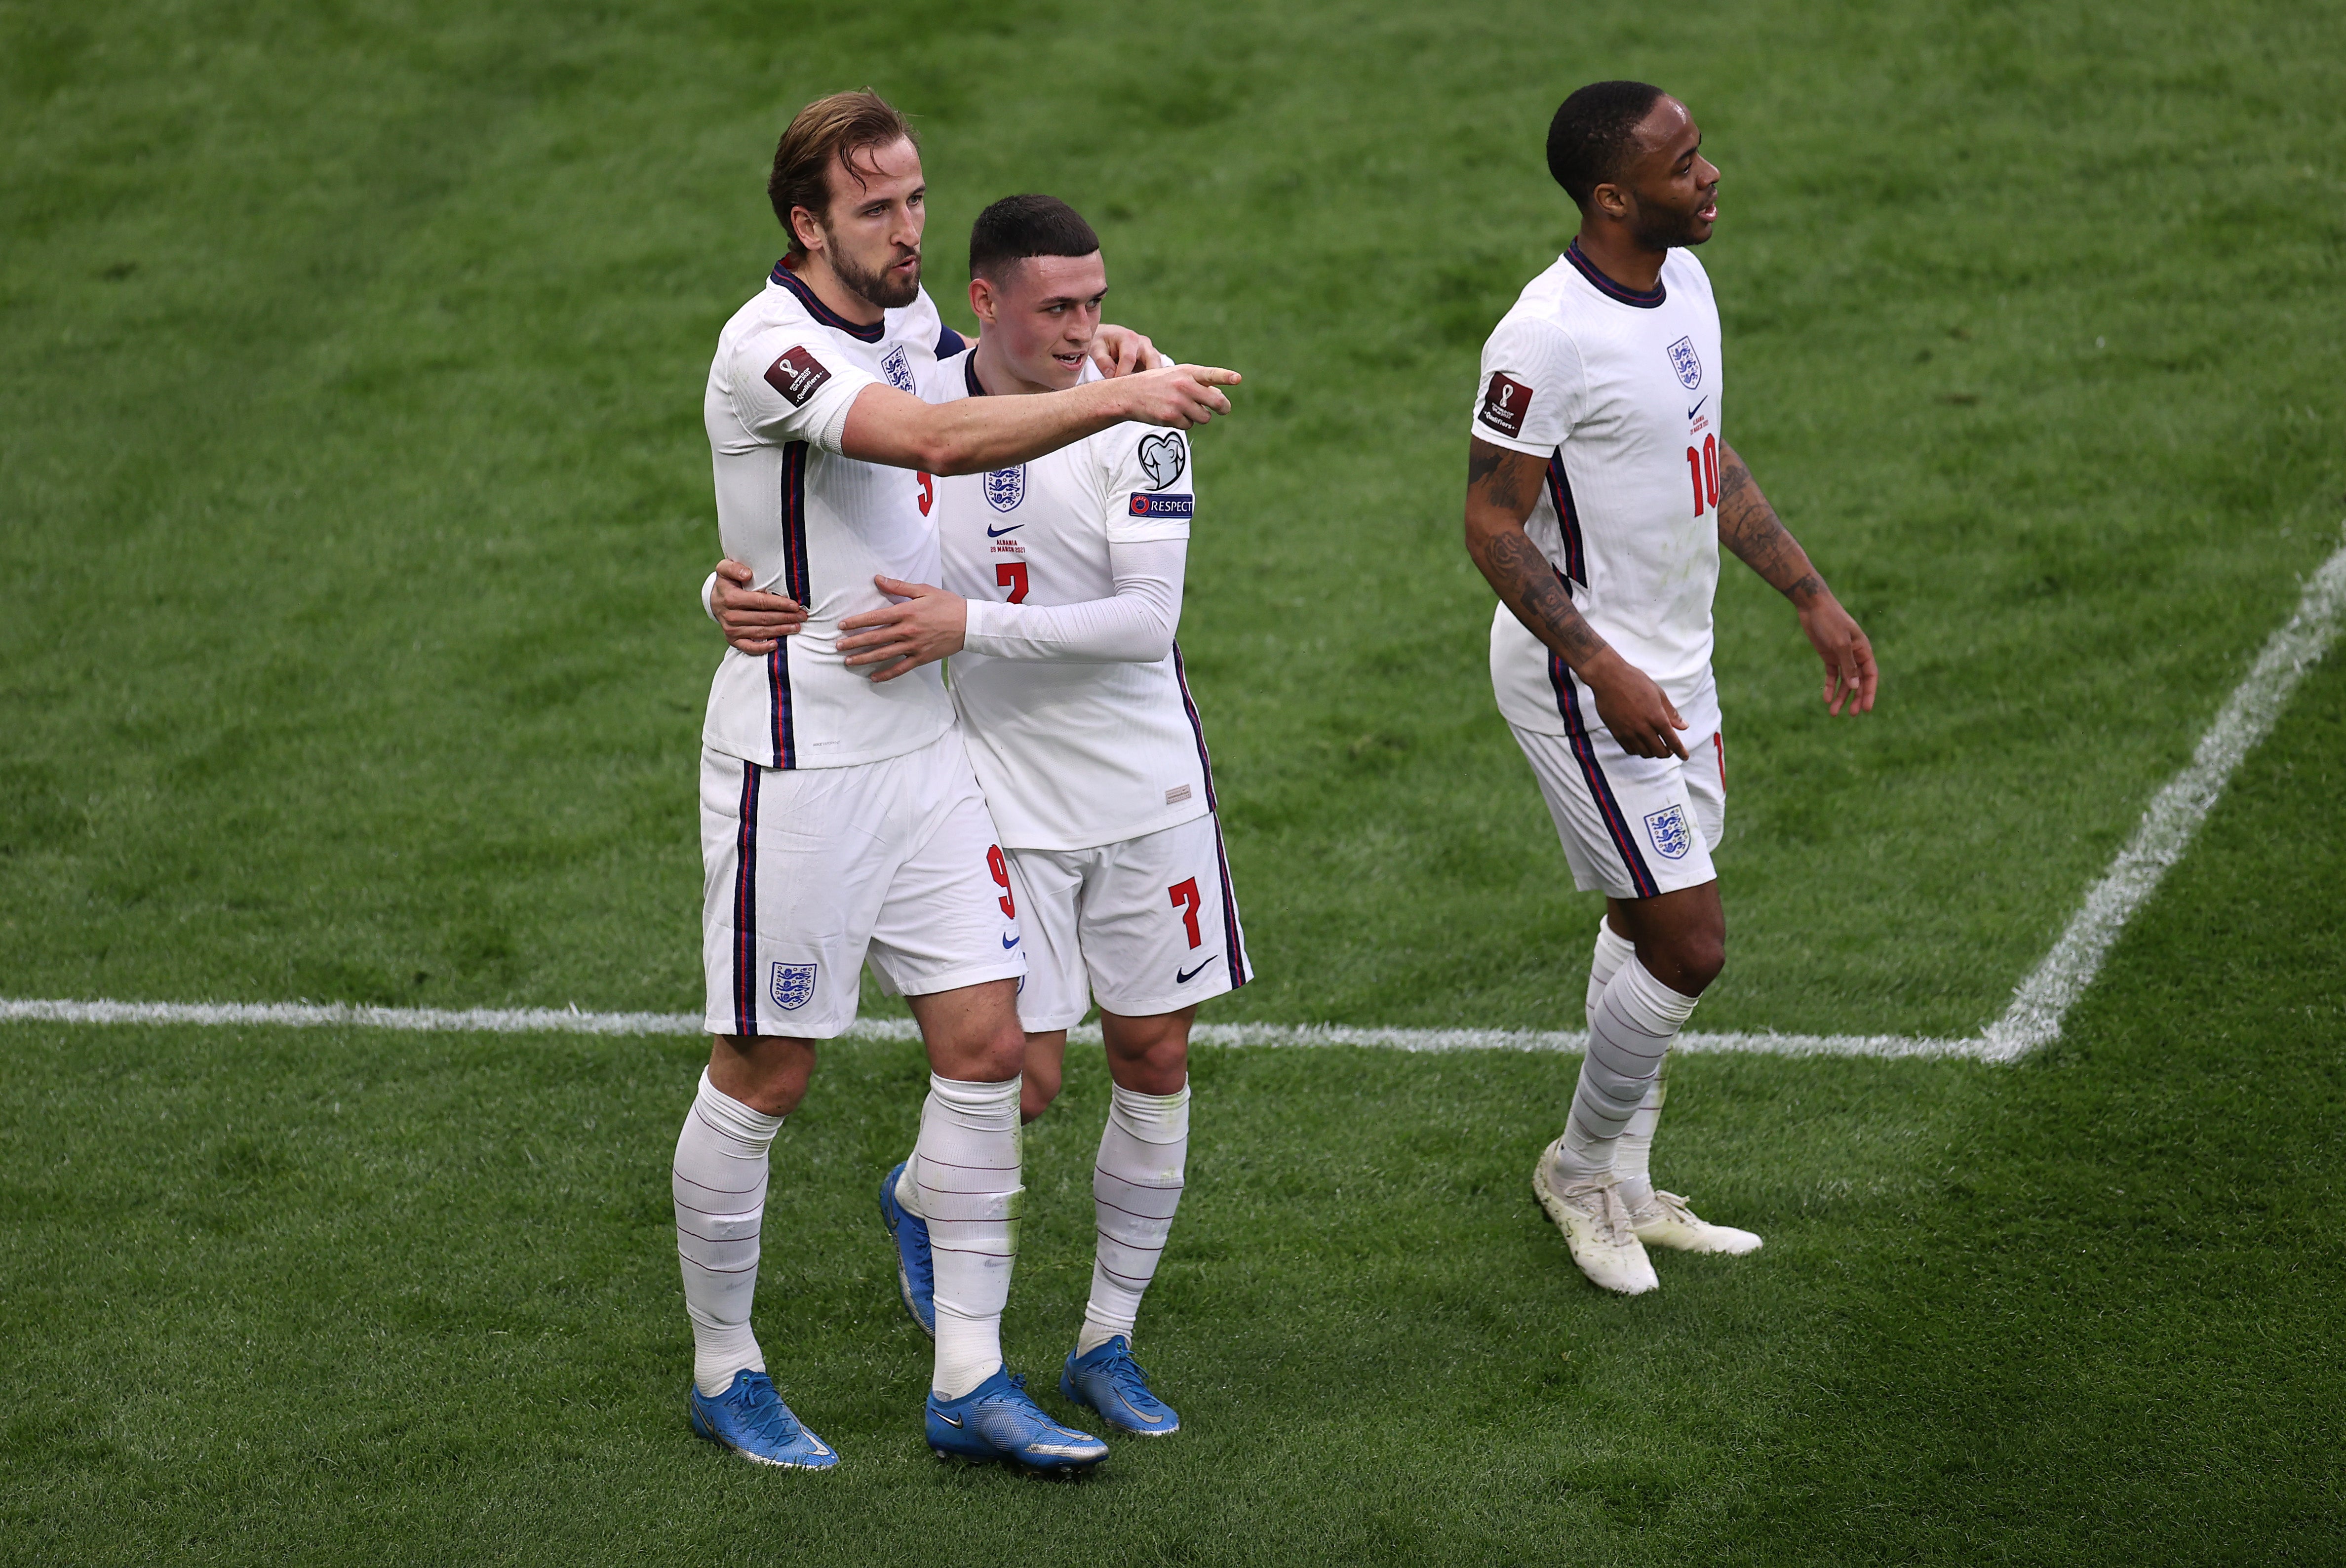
1665	1220
1596	1226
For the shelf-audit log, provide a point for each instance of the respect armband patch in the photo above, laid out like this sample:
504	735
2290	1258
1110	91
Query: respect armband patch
1146	505
1505	403
798	375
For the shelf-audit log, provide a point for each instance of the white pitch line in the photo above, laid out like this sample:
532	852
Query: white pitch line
323	1015
2032	1019
2170	822
553	1021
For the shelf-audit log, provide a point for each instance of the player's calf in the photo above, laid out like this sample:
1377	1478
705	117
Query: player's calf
1047	1066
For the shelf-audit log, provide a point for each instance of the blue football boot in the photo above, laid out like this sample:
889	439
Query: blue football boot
997	1419
1110	1382
751	1419
916	1275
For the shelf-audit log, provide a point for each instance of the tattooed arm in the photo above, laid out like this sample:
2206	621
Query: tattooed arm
1502	487
1750	526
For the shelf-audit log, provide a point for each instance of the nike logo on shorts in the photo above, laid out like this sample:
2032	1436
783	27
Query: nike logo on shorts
1009	942
1181	979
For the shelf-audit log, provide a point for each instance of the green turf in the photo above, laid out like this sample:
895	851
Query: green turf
352	491
290	1296
353	496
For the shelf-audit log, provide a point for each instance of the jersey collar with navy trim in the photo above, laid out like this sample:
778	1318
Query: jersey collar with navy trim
1645	299
969	375
822	313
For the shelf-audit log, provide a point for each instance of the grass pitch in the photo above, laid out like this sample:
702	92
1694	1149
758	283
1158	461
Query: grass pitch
352	497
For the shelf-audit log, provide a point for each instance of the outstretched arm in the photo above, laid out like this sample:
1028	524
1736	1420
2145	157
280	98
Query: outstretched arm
1750	526
973	435
1502	487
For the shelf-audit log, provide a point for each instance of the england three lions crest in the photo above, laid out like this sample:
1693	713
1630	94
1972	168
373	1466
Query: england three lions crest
1005	488
1668	828
1686	362
898	370
793	985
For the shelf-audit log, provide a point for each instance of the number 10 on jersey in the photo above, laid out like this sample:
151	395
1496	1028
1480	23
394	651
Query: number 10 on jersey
1703	467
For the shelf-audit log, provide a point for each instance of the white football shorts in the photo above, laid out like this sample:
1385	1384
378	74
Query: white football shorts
812	871
1632	827
1146	925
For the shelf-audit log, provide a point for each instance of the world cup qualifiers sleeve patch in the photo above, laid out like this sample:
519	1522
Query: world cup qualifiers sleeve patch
1162	458
1505	403
798	375
1146	505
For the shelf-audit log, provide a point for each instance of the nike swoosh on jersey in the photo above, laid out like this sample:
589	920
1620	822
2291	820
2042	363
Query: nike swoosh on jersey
1181	979
1690	412
1009	941
994	533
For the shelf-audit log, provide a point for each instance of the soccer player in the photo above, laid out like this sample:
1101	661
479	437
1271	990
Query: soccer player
1599	489
1063	582
840	820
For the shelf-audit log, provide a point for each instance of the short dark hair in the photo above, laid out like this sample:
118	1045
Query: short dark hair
1017	227
826	131
1593	134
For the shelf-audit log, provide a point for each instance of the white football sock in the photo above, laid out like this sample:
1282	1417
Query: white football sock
1633	1155
1135	1186
908	1184
1634	1022
968	1160
1612	952
719	1184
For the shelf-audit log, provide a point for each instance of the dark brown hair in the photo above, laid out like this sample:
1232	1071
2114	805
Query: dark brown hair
828	131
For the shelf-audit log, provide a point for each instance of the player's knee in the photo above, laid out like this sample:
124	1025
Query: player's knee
1150	1054
1698	957
1169	1064
767	1073
1002	1056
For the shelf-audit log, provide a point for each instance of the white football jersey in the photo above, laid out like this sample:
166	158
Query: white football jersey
818	526
1620	393
1071	756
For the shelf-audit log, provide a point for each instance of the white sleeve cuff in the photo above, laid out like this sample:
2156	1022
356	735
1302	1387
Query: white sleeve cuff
989	624
832	430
